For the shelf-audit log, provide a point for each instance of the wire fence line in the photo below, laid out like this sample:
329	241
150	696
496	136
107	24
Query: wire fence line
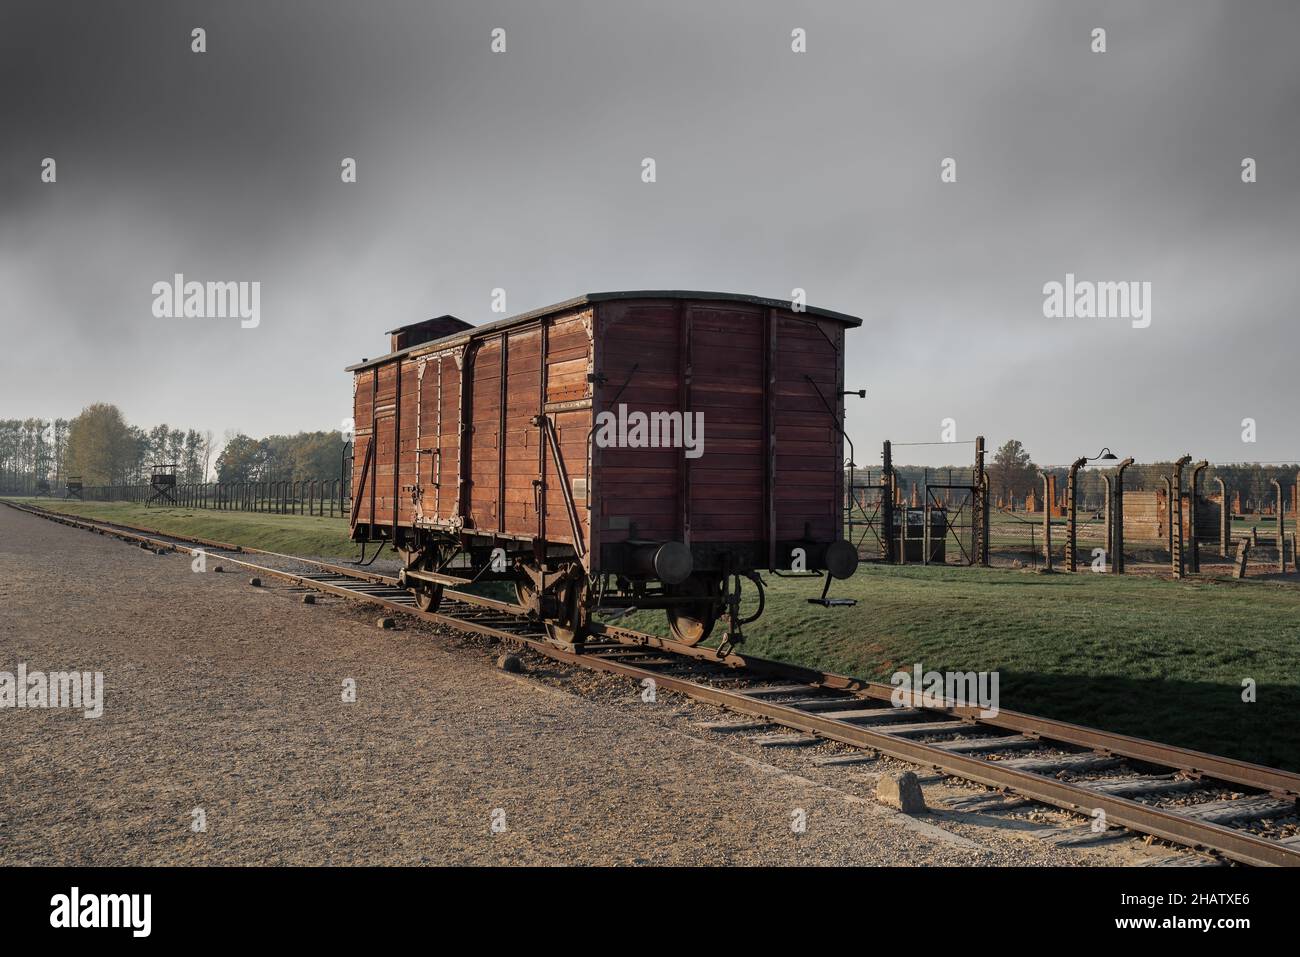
1092	513
321	497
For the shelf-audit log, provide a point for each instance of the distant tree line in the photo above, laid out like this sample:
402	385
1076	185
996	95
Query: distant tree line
280	457
103	449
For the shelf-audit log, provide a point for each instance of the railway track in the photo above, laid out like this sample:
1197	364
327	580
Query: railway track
1231	810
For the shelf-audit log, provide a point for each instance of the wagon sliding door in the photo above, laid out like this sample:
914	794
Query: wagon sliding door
438	439
568	405
514	486
483	445
363	449
382	482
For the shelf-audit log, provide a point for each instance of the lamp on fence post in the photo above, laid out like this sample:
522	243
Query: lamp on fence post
1072	503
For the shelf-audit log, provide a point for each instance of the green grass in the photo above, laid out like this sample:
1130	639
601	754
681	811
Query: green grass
1142	656
292	534
1131	654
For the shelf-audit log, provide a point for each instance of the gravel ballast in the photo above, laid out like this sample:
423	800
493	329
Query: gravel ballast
228	737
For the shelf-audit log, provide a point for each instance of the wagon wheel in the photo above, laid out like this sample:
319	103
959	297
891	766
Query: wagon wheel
692	621
428	596
569	627
525	591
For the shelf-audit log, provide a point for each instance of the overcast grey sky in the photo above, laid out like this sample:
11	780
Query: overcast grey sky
776	170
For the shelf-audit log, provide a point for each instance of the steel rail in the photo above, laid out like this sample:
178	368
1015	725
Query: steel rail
1237	845
1284	784
1167	824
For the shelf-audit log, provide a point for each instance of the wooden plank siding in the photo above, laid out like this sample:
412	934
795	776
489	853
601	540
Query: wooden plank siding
568	365
727	389
484	447
809	448
638	358
745	487
437	429
363	403
459	446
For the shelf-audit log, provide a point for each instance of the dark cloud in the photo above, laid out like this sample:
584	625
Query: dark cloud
776	170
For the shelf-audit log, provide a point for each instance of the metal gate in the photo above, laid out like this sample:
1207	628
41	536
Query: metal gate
950	514
864	522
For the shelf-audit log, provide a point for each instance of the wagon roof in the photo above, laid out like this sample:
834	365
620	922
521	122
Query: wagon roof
852	321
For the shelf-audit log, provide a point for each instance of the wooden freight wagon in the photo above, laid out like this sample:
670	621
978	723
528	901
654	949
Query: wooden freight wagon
627	449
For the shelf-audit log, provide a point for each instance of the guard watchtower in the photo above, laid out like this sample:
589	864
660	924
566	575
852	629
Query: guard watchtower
72	488
162	479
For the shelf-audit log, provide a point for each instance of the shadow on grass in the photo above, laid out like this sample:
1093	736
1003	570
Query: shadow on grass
1203	716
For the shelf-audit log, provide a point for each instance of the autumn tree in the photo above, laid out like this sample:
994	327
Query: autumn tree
1012	472
100	447
242	460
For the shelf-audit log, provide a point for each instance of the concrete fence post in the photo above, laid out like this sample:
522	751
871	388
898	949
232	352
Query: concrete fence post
1281	527
984	535
887	552
1225	518
1176	558
1169	525
1072	514
980	504
1047	522
1107	529
1194	498
1117	518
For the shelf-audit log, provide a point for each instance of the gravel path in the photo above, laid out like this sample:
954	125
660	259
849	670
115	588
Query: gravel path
228	698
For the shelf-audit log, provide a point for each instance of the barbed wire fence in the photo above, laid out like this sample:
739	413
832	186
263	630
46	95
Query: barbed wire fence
1101	514
320	497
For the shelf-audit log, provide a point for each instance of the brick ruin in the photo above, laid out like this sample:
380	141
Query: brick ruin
1146	516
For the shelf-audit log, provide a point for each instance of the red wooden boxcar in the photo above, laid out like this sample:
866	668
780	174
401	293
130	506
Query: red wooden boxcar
643	449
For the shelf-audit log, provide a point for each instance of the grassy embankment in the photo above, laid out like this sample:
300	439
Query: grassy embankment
292	534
